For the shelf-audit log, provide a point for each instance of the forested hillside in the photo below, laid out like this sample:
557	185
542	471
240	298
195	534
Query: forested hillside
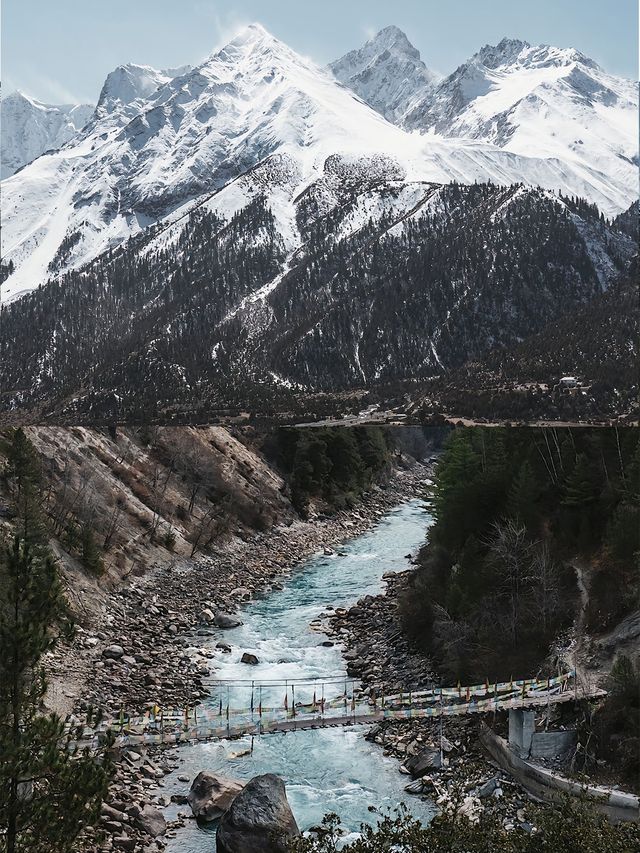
218	317
597	342
516	511
533	564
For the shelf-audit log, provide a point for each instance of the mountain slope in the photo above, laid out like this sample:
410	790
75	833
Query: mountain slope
254	118
387	73
395	282
30	127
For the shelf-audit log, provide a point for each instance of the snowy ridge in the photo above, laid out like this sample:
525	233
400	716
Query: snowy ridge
543	102
257	118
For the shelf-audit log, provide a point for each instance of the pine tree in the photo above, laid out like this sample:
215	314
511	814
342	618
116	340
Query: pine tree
522	495
47	794
580	497
23	476
580	486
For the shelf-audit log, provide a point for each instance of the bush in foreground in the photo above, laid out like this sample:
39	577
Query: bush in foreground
572	827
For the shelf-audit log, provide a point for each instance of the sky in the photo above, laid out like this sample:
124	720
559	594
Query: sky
60	51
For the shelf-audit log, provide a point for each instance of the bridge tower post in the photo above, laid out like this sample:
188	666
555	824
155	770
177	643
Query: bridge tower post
522	726
441	723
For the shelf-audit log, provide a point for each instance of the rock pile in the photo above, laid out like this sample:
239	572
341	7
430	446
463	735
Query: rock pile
377	650
131	818
465	775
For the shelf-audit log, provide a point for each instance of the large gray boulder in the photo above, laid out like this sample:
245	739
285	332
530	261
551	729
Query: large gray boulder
426	761
151	821
225	620
260	818
115	652
211	795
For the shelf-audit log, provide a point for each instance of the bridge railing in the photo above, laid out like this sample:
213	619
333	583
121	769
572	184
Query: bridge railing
315	702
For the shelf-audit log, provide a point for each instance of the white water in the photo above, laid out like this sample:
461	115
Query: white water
328	769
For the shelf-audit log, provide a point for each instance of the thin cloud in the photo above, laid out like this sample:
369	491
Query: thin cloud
225	27
54	92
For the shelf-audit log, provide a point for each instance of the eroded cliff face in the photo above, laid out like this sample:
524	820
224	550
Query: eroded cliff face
146	497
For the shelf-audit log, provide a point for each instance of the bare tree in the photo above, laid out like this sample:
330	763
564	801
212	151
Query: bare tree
509	551
545	577
204	529
112	524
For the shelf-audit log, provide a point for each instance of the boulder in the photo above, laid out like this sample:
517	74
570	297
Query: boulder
260	818
114	652
207	615
151	821
488	789
241	592
226	620
247	657
211	795
426	761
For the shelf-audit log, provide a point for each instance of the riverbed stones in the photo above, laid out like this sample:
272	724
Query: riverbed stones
489	788
138	618
211	795
259	818
242	592
249	658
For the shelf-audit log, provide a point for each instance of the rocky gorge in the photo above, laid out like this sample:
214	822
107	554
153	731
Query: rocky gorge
149	649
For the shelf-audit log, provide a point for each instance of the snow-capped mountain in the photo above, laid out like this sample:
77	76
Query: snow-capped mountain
538	101
28	128
387	73
254	119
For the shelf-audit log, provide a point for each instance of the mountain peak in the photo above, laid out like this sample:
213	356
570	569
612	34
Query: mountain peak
503	53
393	38
29	128
509	52
129	82
386	72
251	35
252	40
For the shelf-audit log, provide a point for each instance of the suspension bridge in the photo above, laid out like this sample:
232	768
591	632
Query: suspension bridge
240	708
